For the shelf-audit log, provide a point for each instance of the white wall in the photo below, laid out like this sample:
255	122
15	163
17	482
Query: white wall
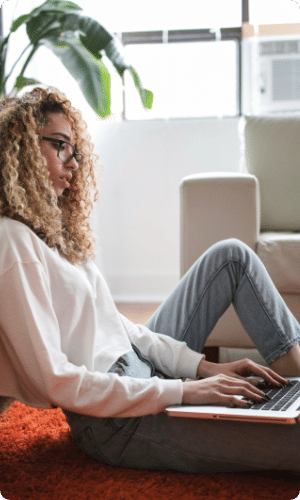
137	219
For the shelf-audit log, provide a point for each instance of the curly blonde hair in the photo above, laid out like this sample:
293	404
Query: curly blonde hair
26	192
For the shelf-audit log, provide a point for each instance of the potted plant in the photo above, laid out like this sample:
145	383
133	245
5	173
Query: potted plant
79	42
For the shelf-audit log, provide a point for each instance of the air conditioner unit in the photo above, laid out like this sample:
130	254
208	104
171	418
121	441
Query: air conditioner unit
270	74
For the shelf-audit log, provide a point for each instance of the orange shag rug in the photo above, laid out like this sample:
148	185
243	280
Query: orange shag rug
39	461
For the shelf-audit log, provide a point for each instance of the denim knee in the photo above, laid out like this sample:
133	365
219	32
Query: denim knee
232	248
234	244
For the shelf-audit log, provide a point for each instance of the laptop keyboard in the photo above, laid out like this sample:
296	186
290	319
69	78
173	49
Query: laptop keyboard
281	398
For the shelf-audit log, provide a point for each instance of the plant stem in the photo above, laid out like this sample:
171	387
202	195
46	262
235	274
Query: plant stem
34	48
5	42
3	51
14	65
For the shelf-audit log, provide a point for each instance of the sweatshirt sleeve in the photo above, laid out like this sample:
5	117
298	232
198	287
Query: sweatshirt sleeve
31	339
170	356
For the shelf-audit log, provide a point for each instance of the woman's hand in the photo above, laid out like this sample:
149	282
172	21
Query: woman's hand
239	369
223	382
220	390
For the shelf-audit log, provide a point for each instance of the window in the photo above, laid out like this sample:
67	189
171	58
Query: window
190	60
188	79
187	53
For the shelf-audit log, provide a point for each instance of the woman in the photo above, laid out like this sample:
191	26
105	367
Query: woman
64	344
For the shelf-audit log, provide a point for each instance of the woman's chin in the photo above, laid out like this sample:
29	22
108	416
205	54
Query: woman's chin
58	191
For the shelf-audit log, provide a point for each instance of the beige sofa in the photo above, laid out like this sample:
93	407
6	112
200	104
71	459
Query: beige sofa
259	205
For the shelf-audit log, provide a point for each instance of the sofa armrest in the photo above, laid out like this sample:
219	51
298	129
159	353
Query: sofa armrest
215	206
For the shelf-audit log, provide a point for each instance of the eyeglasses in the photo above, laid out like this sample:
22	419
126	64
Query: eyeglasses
65	150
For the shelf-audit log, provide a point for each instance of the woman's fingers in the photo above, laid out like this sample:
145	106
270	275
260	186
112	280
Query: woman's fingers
221	390
240	387
251	368
233	380
233	402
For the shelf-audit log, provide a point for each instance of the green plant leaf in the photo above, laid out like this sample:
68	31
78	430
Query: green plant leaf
79	42
22	81
49	16
93	35
148	99
91	74
37	26
49	5
113	51
146	95
56	5
51	13
17	22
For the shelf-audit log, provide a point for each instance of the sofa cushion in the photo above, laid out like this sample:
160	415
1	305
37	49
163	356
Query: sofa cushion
280	253
270	148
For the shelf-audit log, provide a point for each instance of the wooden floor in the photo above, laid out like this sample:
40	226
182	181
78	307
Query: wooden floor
137	312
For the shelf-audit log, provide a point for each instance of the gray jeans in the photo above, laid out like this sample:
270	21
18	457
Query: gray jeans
229	272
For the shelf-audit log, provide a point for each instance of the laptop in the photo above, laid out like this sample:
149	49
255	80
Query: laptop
282	408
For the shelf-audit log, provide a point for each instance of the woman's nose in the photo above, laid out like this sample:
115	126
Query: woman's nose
72	163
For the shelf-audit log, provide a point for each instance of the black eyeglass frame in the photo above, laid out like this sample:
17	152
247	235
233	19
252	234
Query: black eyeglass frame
78	156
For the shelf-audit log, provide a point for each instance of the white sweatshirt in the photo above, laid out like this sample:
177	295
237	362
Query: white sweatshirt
60	332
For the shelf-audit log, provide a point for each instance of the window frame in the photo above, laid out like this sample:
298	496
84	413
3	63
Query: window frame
193	35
